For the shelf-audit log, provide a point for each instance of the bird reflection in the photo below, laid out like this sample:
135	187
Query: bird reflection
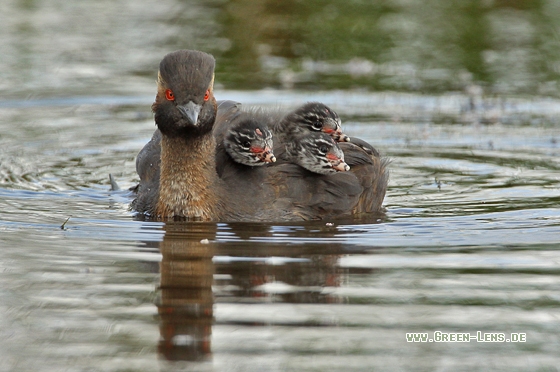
185	302
205	264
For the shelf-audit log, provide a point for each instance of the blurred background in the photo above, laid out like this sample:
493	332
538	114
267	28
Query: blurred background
57	48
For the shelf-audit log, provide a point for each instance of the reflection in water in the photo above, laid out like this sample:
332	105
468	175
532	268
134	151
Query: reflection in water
294	279
265	270
287	294
185	302
194	263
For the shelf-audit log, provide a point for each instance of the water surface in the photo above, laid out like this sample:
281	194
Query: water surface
470	241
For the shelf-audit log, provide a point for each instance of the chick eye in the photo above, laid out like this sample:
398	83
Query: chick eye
246	144
169	95
323	149
317	125
207	95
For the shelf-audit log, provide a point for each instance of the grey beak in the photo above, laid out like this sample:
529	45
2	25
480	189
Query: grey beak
190	112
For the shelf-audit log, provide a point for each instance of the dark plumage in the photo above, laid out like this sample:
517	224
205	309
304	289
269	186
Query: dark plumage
183	106
371	173
310	117
249	143
317	152
185	111
184	174
244	140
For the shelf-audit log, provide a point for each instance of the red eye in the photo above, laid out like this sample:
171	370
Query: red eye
207	95
169	95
